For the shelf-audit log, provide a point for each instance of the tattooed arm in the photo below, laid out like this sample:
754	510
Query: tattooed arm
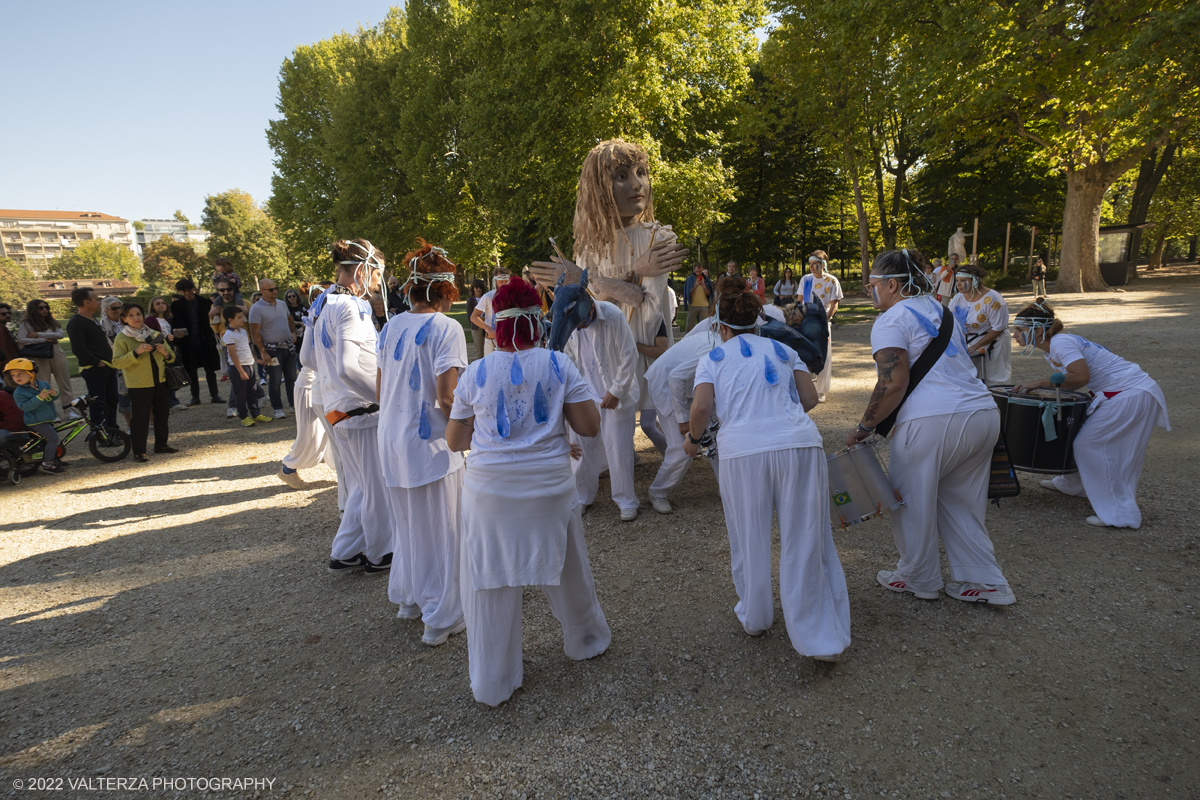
892	366
458	434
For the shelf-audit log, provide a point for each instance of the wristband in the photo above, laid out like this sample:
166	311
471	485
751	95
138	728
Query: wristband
865	430
694	441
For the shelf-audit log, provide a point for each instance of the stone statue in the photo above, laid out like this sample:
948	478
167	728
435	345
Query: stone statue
958	246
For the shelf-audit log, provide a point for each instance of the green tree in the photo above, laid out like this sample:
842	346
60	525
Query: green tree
17	286
166	261
246	234
1175	209
98	258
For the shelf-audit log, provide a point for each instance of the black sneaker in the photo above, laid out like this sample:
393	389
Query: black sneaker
54	469
218	399
384	565
348	565
195	401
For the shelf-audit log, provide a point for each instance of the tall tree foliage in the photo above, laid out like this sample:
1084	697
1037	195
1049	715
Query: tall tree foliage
246	234
17	286
98	258
166	261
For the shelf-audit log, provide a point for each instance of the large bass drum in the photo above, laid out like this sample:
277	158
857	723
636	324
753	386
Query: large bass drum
1040	431
858	487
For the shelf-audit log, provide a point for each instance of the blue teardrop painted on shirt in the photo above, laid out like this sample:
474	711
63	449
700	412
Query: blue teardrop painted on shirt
414	377
769	371
716	354
781	351
399	346
481	374
745	347
502	426
423	334
540	413
554	364
793	392
423	429
516	375
325	340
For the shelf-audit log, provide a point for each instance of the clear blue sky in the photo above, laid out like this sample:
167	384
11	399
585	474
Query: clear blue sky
138	108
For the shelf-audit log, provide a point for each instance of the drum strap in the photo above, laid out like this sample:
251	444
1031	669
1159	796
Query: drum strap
933	351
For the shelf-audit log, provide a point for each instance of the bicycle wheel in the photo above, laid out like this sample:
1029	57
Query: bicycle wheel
110	444
14	471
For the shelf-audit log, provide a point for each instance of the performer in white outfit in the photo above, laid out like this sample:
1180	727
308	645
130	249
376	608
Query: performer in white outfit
521	518
421	353
941	445
344	355
822	286
1110	449
772	460
315	400
984	316
670	380
483	316
603	351
312	445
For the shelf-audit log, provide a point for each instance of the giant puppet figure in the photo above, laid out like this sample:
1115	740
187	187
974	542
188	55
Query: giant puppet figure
626	252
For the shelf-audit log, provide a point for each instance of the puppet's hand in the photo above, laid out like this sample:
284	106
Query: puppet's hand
660	259
616	290
546	272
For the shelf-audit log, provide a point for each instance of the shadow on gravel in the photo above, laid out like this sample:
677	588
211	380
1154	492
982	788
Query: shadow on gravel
213	475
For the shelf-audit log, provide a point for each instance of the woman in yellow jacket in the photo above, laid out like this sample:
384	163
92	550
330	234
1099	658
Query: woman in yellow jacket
142	354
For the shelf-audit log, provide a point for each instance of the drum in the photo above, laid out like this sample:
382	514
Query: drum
858	487
1041	432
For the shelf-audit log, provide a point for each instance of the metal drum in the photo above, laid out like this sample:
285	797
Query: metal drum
858	487
1040	430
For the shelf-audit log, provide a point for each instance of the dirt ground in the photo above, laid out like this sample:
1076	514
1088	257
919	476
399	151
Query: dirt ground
175	621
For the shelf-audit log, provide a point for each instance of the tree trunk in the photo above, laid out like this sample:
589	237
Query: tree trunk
1079	270
1156	256
1151	171
864	231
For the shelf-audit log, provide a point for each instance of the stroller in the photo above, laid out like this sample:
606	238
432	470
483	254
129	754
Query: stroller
20	453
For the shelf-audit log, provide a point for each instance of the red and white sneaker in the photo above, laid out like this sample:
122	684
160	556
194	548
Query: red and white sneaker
993	595
890	579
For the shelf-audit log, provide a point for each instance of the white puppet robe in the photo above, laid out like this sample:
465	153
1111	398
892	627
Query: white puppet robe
312	445
670	380
988	313
423	475
941	454
522	521
827	289
607	358
772	462
344	353
1110	449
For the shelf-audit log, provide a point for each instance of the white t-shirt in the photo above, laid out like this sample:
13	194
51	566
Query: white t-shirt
951	385
672	376
484	306
988	313
756	397
1108	371
826	289
517	401
606	356
240	339
344	345
412	428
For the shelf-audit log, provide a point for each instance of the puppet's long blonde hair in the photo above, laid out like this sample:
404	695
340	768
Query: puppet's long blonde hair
597	223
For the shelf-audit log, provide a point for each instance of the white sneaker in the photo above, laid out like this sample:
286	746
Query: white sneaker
820	398
1099	523
436	636
1048	483
661	505
980	593
752	633
231	412
279	413
73	414
628	514
292	479
891	580
409	611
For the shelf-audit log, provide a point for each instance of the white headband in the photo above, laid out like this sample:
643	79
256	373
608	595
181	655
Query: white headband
531	313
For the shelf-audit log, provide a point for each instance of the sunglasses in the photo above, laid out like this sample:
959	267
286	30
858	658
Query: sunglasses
225	291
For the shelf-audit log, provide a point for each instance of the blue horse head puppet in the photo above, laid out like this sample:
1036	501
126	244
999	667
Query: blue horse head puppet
806	332
572	308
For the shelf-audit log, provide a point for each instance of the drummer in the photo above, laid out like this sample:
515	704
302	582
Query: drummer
984	316
1111	448
941	445
823	286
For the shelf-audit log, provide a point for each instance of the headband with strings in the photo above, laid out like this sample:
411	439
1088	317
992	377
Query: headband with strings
974	278
367	264
531	313
430	278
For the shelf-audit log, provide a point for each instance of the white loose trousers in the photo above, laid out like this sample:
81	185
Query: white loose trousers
614	443
330	437
675	461
426	542
794	483
312	445
1110	452
824	379
941	466
494	621
366	525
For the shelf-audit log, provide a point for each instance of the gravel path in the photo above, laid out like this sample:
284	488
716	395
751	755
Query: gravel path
176	621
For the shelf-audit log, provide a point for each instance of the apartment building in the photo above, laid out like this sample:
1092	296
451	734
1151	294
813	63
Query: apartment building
31	238
155	229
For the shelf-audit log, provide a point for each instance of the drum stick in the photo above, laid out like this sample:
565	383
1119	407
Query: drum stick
1058	379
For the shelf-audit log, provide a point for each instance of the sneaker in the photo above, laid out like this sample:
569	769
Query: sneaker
224	378
981	593
661	505
167	449
384	565
1099	523
262	381
262	418
248	422
231	412
50	468
1048	483
73	414
141	458
830	659
628	514
348	564
409	611
752	633
292	478
179	407
218	399
891	580
435	636
279	413
195	401
820	398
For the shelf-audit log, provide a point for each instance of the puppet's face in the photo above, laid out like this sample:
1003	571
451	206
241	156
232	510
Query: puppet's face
631	190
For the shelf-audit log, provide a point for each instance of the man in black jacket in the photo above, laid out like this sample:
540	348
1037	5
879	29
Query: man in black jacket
197	347
93	351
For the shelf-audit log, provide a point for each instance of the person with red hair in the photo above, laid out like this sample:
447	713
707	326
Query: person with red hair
421	353
522	523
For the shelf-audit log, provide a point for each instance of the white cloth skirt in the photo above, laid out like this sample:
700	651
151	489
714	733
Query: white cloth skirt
426	543
941	466
614	445
824	378
1110	452
812	587
330	437
995	369
312	445
494	619
675	461
366	525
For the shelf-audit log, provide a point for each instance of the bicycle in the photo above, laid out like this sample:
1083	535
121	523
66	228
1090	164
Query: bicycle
21	453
